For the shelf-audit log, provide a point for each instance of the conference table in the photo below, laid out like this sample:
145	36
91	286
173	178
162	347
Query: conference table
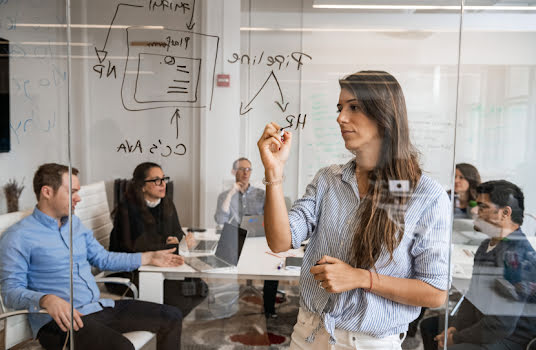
256	262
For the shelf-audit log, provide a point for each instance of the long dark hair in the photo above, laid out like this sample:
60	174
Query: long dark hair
471	174
134	191
381	213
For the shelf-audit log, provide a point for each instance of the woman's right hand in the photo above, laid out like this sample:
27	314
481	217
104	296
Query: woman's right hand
274	151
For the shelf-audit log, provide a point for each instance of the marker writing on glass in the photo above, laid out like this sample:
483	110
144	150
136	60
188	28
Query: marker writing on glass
282	133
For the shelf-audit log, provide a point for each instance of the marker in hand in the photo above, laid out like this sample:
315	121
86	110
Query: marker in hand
282	133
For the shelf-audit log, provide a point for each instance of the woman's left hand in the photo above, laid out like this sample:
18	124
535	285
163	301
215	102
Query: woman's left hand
336	276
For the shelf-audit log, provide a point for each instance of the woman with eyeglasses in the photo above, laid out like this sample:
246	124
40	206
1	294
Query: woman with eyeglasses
147	220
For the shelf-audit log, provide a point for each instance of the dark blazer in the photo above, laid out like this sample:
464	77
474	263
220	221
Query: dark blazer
132	231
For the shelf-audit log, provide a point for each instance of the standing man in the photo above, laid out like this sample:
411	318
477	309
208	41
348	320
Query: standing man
35	274
505	258
240	200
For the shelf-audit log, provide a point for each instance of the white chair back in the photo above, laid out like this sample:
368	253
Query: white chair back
94	212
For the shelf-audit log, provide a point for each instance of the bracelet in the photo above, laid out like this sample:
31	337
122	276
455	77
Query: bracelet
276	182
370	288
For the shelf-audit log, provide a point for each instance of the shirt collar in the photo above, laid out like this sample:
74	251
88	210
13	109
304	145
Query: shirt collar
48	220
348	171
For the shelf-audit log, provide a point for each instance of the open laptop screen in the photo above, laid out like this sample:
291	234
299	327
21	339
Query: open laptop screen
254	224
231	243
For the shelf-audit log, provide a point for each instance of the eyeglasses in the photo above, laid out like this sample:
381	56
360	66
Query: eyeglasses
246	170
158	181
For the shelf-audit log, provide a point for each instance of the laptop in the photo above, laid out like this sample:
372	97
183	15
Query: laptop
254	224
205	246
227	253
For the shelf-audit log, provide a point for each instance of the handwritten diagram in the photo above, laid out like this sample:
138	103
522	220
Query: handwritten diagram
167	72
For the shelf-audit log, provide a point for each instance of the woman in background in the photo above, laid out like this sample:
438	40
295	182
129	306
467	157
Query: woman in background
465	183
147	220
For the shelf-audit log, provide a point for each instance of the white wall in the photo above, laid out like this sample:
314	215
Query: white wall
497	72
38	91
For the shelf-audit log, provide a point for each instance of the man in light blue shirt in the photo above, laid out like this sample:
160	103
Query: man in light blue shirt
35	274
241	199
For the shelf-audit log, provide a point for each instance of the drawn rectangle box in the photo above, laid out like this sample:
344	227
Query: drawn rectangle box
163	78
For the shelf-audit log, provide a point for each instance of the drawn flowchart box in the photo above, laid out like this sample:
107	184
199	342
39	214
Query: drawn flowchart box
177	77
167	68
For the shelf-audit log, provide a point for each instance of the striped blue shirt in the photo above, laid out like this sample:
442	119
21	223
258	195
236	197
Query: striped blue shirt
326	214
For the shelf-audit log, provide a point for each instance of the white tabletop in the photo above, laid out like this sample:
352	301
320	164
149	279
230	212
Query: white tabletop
256	262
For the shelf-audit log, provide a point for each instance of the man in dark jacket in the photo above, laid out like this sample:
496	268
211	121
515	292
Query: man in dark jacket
494	313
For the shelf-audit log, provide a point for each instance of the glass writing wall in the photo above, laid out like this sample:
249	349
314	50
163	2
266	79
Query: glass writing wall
34	80
191	85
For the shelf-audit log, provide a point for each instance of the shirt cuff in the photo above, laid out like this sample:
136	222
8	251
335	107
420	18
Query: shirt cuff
136	260
34	301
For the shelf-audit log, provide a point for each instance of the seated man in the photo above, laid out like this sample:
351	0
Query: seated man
240	200
35	274
505	259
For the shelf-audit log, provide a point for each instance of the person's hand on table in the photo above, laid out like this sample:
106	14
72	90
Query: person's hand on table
162	258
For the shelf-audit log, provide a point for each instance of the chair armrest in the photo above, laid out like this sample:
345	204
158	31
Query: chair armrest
20	312
119	280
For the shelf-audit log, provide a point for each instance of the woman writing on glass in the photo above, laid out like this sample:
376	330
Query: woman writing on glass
147	220
378	227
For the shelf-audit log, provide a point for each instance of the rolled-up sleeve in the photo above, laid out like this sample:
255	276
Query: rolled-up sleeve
304	213
431	249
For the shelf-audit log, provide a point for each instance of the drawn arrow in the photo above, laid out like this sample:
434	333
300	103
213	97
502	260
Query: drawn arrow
191	25
175	118
102	53
282	105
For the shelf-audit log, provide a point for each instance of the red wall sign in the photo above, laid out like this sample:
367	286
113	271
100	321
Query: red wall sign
223	80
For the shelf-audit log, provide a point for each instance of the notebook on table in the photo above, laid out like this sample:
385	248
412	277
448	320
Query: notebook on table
254	224
227	253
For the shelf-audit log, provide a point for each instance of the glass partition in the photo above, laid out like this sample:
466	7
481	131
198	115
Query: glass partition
408	129
493	261
34	258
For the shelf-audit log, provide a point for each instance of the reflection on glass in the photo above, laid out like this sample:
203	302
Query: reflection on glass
497	310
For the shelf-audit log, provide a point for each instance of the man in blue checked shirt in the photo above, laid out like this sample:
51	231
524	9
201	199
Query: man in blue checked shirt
35	274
